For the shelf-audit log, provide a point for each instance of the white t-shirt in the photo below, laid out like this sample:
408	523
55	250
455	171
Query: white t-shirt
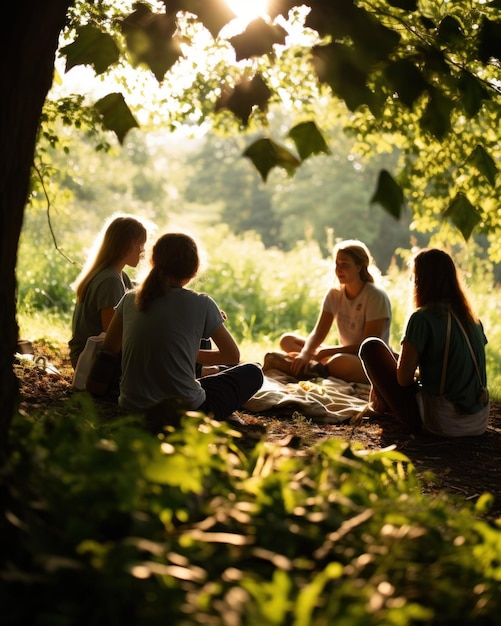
160	347
372	303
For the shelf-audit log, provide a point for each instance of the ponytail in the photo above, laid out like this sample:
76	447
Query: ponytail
175	260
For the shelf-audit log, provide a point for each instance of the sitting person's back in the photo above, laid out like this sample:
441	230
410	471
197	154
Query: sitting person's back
159	328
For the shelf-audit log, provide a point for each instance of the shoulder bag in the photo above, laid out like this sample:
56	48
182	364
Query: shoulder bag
483	394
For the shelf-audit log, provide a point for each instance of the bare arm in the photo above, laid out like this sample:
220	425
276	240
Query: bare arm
407	364
227	351
106	317
113	339
374	328
315	338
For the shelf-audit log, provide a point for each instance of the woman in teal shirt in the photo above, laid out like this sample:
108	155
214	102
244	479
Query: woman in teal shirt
438	384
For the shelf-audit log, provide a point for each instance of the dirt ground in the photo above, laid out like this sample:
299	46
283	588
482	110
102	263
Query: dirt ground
465	467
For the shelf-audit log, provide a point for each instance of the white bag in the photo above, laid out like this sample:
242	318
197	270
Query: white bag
85	360
441	417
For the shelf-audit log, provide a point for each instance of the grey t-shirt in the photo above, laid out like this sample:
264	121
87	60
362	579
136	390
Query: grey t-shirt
103	291
160	348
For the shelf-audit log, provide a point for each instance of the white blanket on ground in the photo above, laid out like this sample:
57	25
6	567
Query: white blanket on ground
329	400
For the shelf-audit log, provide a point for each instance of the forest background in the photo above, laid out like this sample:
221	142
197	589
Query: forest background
103	522
268	233
267	245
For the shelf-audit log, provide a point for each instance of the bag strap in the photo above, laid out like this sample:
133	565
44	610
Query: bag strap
469	346
446	352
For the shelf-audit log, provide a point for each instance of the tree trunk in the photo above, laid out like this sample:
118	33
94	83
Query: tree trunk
30	37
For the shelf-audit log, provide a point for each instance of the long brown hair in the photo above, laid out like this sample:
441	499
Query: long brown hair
436	280
174	259
117	239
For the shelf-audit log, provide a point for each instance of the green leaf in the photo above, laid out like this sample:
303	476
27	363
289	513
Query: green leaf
489	41
246	94
485	164
450	30
265	154
436	118
372	39
406	81
434	59
213	14
116	115
427	22
308	139
258	39
331	18
151	40
473	93
463	215
341	20
406	5
91	47
388	194
339	67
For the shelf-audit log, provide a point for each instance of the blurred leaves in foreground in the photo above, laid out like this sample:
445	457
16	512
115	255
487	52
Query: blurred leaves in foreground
104	522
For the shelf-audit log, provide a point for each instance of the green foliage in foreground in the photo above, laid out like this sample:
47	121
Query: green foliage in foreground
109	524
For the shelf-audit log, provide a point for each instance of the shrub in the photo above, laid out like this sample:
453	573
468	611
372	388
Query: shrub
107	524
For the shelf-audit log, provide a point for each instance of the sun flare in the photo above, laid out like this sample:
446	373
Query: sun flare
248	10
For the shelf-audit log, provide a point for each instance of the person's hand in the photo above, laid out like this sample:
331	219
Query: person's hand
298	363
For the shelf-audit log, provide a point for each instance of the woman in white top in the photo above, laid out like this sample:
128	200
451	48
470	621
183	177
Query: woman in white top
359	308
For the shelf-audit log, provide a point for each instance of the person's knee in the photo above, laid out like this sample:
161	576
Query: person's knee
254	373
370	348
347	367
286	341
290	343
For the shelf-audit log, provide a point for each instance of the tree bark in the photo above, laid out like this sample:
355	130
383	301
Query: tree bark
28	45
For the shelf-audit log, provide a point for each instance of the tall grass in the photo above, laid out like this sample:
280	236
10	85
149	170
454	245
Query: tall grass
264	293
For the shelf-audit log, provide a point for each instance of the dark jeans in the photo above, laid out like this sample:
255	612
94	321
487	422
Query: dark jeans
228	390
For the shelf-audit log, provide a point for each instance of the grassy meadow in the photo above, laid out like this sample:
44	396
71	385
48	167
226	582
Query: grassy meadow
264	292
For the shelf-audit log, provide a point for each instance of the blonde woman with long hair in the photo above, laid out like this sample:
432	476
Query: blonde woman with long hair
103	280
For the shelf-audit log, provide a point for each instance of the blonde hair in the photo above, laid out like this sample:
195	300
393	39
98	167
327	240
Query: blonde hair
359	252
115	239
